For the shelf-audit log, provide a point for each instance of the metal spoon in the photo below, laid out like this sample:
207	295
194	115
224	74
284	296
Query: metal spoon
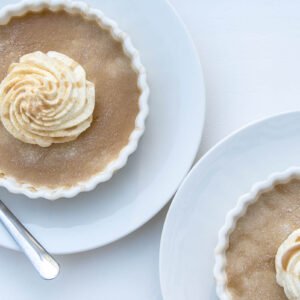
43	262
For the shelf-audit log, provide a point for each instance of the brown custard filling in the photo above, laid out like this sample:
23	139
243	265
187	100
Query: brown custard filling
116	108
254	243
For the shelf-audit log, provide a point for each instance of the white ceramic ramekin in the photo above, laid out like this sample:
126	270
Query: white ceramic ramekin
232	218
85	10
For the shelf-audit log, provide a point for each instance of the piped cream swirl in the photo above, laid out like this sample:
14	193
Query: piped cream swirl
287	264
46	99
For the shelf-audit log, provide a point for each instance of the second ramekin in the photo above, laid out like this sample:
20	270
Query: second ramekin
231	220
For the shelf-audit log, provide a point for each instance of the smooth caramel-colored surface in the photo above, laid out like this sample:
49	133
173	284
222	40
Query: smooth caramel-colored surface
117	95
254	243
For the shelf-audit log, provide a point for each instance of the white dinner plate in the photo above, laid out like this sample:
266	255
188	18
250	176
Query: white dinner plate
210	190
173	132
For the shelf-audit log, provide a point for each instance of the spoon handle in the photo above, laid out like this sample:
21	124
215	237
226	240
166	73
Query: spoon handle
43	262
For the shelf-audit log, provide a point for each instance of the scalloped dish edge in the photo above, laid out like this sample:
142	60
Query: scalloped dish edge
234	215
20	9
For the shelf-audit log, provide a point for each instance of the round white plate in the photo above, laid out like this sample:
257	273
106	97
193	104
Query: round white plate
210	191
173	131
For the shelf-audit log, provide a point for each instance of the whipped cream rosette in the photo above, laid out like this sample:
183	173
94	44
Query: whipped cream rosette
46	99
288	266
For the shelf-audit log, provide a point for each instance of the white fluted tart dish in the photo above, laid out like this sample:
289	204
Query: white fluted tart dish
73	101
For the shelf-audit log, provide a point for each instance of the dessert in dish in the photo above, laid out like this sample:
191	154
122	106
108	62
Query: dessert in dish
255	240
71	98
261	259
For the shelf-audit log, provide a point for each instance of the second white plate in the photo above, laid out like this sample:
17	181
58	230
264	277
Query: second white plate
164	156
210	190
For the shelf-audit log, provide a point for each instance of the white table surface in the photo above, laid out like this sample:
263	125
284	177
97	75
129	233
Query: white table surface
250	55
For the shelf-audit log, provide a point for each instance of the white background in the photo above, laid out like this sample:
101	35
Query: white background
250	55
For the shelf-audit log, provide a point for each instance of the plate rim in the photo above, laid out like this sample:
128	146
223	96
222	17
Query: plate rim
193	170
